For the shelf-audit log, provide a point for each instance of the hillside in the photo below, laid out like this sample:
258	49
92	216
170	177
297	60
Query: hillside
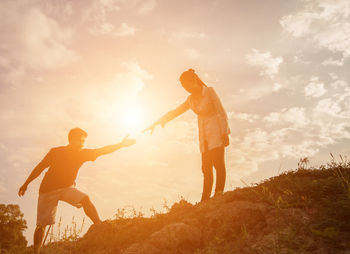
301	211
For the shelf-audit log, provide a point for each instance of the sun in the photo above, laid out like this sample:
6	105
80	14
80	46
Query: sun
132	119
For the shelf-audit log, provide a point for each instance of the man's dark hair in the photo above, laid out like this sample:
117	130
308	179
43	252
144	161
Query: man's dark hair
76	133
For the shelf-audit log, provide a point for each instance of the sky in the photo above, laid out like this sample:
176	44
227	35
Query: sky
112	67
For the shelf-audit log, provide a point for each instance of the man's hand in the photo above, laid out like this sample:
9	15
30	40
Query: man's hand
22	190
128	141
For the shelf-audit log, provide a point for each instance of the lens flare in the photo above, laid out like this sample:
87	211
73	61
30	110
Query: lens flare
132	119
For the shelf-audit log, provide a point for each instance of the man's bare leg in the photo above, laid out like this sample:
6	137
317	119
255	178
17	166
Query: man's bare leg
90	210
38	238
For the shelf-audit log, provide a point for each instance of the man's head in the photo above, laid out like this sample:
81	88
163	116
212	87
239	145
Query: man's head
76	138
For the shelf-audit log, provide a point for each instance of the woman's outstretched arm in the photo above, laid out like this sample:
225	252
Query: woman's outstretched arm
169	116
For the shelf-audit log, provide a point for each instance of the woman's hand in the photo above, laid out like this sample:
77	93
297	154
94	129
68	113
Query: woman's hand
225	140
151	127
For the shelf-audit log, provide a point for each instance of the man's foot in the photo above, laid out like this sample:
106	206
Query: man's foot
103	226
38	238
36	250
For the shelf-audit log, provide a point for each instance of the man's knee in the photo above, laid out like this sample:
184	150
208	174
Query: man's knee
40	228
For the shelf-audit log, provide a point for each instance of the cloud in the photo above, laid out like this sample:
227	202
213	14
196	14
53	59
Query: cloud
2	147
299	58
192	53
109	29
293	132
243	116
147	6
298	24
101	8
266	61
293	116
125	30
98	13
188	35
338	83
336	106
104	23
315	88
261	145
3	189
276	87
30	33
324	22
126	84
333	62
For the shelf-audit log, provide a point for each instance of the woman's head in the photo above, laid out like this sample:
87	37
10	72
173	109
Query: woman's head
191	82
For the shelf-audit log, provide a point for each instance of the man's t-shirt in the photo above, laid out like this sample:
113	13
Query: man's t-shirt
64	164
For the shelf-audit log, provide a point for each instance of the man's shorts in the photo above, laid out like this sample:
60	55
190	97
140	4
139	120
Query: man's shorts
47	203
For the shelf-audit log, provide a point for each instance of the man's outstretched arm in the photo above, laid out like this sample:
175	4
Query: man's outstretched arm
34	174
112	148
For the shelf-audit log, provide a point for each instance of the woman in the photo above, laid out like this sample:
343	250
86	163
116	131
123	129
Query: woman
212	125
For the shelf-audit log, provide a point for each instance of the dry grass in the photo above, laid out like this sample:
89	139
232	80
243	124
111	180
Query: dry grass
306	210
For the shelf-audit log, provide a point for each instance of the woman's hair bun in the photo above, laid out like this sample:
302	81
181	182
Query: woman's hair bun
191	70
188	75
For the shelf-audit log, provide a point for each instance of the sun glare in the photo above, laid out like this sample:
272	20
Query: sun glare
132	119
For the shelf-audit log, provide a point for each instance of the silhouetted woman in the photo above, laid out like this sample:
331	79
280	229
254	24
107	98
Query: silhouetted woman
212	125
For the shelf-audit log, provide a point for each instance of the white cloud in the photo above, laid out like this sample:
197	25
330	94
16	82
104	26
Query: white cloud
333	76
266	61
339	83
109	29
147	6
315	88
335	38
103	23
102	8
3	189
293	116
243	116
68	9
337	106
31	33
290	134
188	35
333	62
132	80
104	28
276	87
192	53
125	30
325	22
257	92
299	58
298	24
98	14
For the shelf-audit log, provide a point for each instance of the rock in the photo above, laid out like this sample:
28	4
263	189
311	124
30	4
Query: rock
142	248
176	236
102	229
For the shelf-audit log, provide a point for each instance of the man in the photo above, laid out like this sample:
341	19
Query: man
59	181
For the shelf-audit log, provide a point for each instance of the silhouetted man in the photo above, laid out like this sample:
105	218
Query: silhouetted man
59	181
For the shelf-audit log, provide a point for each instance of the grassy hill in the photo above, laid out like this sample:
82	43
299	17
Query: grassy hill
301	211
